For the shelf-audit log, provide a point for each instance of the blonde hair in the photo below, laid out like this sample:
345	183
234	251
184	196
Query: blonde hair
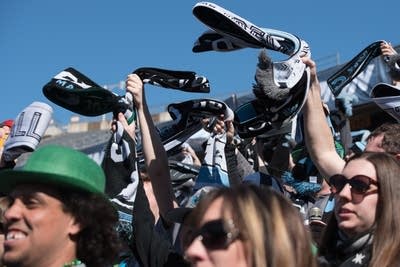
269	225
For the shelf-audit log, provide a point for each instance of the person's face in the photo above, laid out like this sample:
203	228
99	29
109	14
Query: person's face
4	132
37	231
356	213
374	144
233	255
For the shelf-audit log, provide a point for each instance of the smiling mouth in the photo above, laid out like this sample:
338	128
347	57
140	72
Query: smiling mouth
15	235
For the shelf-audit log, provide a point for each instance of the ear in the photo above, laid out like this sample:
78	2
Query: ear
74	226
397	157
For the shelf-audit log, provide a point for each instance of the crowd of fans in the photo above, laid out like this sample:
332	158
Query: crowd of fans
247	197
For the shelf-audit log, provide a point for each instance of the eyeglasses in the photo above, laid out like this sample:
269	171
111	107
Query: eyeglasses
216	234
359	184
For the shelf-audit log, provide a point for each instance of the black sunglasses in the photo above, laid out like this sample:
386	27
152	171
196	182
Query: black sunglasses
216	234
359	183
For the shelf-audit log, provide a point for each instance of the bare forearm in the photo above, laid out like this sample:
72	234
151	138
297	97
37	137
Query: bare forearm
156	161
317	132
318	135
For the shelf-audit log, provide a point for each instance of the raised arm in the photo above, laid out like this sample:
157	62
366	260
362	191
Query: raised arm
156	159
392	58
318	135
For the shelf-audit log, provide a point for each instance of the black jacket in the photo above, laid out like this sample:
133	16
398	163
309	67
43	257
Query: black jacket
151	248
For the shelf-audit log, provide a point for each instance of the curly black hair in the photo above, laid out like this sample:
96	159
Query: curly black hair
98	243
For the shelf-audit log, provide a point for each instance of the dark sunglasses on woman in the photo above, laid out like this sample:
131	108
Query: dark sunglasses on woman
216	234
359	184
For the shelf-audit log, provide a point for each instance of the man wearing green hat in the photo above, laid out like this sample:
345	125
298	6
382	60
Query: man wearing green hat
58	214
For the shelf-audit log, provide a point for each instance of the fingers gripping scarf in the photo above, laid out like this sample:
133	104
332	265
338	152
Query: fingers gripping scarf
213	171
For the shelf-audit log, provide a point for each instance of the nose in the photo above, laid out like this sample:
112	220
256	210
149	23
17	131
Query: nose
14	211
195	252
345	193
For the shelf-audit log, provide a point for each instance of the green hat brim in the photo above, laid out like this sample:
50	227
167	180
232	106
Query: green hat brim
9	179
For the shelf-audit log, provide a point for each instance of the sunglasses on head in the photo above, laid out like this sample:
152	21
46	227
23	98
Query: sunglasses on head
359	184
216	234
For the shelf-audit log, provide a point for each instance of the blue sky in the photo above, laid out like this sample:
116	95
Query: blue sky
106	40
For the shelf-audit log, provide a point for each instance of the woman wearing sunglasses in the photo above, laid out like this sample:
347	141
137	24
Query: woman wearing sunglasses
365	228
247	226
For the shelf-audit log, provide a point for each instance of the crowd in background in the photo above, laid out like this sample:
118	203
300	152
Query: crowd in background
295	197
